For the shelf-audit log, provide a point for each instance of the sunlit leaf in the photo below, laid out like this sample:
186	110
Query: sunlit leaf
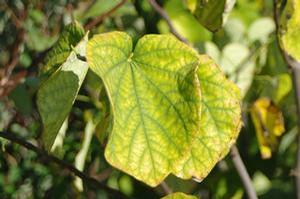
268	123
220	121
290	28
179	195
57	94
154	94
212	13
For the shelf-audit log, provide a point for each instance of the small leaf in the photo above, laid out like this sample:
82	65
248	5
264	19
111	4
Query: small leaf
57	94
220	121
154	94
261	29
290	29
268	123
70	37
179	195
213	13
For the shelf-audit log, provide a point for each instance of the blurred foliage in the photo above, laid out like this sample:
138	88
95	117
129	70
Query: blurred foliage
246	48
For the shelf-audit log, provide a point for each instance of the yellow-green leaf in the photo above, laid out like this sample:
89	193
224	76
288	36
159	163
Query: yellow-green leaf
179	195
268	123
154	94
57	94
220	121
290	28
212	13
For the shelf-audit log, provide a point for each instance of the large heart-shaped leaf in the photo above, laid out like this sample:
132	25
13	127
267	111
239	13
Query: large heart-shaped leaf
57	94
220	121
179	195
211	13
154	94
290	29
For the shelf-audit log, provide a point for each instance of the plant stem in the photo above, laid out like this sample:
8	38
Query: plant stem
242	171
97	20
93	183
164	15
166	188
294	66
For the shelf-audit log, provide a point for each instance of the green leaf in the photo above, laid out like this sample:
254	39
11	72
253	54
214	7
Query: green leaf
213	13
220	121
179	195
57	94
70	37
237	63
290	29
154	94
185	23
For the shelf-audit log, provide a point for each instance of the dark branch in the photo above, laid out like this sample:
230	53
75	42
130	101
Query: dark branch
295	68
242	171
98	20
164	15
93	183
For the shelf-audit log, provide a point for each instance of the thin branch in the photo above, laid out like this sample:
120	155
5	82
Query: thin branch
93	183
166	188
242	171
294	66
164	15
97	20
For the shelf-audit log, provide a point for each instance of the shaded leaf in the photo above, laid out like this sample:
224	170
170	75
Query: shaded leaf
268	123
220	121
212	13
154	95
70	37
57	94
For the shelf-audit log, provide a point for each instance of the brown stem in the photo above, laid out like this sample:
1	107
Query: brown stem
164	15
242	171
93	183
97	20
294	66
166	188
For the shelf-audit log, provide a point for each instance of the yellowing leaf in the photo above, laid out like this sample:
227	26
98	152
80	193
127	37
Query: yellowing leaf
57	94
70	37
154	94
290	29
179	195
212	13
220	121
269	125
